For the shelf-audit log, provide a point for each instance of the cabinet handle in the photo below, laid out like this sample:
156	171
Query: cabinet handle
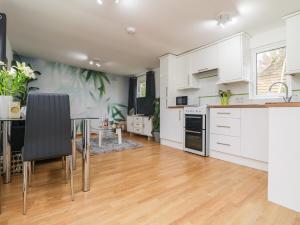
179	115
223	113
223	126
202	70
166	91
219	143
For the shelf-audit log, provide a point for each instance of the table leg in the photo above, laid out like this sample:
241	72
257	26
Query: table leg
86	156
100	138
74	144
119	133
6	151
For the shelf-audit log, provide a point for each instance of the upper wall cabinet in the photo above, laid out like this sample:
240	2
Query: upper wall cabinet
185	79
234	59
293	46
204	59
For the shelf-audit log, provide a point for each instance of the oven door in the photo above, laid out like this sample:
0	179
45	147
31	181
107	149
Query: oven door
195	141
195	122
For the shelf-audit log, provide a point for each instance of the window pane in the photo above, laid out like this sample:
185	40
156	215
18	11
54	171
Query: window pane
270	67
141	86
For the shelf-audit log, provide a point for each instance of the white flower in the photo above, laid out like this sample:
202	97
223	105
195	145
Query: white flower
12	72
29	72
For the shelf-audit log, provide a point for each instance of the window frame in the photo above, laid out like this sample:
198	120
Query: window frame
253	83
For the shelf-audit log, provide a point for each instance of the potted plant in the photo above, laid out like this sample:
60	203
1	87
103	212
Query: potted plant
13	81
156	121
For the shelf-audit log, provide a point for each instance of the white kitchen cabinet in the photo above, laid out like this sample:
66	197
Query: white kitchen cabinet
204	59
184	77
254	133
234	59
240	135
293	47
171	120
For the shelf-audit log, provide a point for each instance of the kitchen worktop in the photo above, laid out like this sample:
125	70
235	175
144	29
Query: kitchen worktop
266	105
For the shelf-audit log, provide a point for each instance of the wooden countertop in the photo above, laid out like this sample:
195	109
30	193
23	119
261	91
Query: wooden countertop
179	106
266	105
239	106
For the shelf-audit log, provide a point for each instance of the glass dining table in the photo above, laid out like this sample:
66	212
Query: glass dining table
6	146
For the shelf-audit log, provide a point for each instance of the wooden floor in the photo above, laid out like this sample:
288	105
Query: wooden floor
150	185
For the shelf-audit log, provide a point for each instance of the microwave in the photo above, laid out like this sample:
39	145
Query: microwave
182	100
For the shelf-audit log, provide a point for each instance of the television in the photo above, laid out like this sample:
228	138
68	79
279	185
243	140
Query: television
3	38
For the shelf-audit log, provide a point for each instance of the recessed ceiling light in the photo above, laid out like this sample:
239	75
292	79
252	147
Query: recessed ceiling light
91	62
100	2
98	64
117	1
131	30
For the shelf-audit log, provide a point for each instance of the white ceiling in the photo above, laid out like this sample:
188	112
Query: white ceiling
68	31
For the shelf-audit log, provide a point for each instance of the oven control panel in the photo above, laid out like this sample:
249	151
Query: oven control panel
201	110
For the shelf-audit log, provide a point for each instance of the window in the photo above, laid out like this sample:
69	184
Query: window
141	86
269	67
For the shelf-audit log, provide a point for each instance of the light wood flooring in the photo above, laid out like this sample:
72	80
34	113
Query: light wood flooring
154	185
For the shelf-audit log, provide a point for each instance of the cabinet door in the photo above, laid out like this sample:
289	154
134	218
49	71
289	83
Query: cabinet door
130	122
148	126
171	125
293	47
254	134
182	72
204	59
230	59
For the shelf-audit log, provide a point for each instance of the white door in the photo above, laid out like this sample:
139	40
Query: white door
130	124
230	59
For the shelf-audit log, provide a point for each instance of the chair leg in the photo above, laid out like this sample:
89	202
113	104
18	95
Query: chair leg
67	168
29	174
33	166
25	180
69	158
63	162
74	154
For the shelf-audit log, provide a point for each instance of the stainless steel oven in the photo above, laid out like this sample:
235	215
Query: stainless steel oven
195	133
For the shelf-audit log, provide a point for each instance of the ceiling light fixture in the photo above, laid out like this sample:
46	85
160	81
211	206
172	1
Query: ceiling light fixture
131	30
225	18
100	2
95	62
117	1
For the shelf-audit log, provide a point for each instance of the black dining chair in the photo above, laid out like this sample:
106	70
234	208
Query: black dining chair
47	135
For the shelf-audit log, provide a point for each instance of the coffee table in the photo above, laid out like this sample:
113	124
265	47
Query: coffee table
102	131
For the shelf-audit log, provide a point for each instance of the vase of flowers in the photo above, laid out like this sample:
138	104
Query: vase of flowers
13	82
224	96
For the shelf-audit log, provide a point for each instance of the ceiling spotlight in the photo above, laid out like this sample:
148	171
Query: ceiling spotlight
117	1
100	2
98	64
225	18
131	30
91	62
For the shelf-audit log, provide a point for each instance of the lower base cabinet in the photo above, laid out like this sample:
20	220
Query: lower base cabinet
240	135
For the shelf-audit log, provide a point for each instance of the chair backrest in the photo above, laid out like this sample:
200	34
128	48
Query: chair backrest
48	127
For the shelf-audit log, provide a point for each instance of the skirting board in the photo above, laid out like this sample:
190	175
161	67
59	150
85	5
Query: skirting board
172	144
239	160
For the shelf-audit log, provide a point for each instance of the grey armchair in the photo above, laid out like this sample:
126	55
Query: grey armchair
47	134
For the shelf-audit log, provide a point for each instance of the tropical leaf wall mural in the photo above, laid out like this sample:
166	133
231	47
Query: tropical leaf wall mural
92	93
